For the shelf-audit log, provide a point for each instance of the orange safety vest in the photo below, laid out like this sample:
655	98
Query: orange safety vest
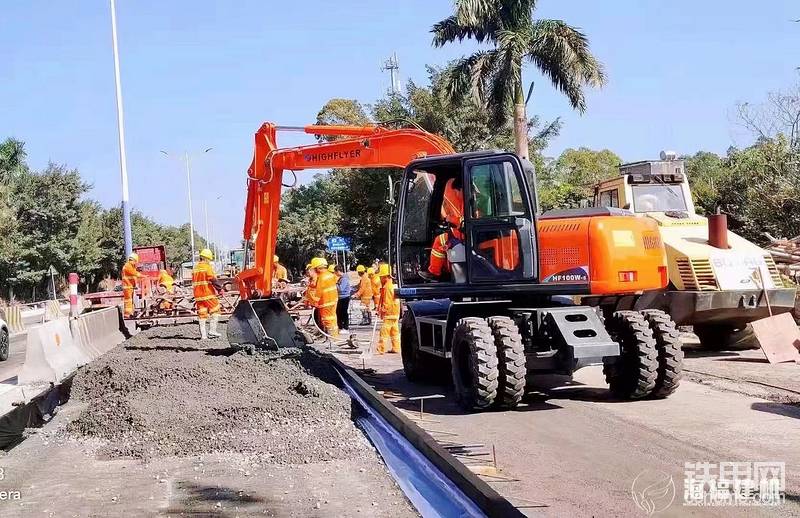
202	275
129	276
311	298
453	208
364	288
389	306
326	290
376	286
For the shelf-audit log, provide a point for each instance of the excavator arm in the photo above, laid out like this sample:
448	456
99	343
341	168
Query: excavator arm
361	147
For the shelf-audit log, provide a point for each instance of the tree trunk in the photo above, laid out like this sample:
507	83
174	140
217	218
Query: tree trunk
520	124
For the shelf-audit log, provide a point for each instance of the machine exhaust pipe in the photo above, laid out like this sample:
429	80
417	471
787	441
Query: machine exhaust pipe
718	230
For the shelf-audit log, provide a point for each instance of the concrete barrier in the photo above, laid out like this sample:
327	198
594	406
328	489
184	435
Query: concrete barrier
51	353
53	310
14	319
96	332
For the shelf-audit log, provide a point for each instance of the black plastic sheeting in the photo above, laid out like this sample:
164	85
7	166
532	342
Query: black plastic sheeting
33	414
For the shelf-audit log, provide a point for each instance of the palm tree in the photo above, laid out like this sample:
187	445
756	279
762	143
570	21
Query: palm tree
494	77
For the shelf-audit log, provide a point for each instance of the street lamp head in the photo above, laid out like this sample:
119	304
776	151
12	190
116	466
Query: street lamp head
207	150
164	153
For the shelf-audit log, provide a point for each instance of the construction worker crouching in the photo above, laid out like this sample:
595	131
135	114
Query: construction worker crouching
364	294
279	272
167	282
206	287
328	296
389	311
129	276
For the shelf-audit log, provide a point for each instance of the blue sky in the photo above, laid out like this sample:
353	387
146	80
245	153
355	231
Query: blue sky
207	73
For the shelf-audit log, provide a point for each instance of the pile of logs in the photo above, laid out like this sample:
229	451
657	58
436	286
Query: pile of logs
786	253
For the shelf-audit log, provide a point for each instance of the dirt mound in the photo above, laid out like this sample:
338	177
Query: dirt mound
166	393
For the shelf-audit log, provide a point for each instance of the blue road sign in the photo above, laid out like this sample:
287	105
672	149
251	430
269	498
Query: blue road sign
338	244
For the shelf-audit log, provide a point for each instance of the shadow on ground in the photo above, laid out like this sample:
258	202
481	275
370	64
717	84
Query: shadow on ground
213	501
777	408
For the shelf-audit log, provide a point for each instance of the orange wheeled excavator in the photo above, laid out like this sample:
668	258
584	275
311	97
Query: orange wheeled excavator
501	310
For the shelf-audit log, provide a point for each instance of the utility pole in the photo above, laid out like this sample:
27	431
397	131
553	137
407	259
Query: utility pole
123	165
392	66
205	213
186	158
189	192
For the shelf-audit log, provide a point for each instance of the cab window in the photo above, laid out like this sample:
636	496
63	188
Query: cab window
609	198
496	192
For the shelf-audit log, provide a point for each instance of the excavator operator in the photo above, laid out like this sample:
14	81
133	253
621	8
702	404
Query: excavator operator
453	215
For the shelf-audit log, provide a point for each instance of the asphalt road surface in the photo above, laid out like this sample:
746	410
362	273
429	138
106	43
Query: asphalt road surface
16	357
572	450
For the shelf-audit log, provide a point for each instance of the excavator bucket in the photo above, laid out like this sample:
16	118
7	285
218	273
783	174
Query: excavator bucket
264	324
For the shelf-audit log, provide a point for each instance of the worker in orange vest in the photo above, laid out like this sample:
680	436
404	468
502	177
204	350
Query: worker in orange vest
364	294
206	286
166	280
376	285
389	311
129	276
452	212
279	272
328	296
310	297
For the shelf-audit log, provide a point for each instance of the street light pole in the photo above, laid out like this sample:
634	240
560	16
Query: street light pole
205	213
189	193
123	166
187	159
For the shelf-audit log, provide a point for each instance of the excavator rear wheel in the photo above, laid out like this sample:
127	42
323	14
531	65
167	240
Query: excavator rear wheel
510	361
670	352
632	374
474	364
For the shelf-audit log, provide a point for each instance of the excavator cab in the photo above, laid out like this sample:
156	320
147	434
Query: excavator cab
466	223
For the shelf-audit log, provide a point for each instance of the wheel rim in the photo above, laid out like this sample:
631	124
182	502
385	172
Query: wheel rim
4	342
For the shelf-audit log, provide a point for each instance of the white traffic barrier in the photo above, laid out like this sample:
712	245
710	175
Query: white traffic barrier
51	354
14	319
96	332
53	310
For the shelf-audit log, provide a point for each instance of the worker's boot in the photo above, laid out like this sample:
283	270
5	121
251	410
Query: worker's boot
365	318
203	334
212	332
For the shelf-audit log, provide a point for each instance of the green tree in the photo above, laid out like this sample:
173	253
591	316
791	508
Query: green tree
570	179
493	77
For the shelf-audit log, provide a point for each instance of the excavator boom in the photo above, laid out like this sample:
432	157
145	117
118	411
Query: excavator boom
361	146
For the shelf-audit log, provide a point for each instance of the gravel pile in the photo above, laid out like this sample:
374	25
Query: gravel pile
166	393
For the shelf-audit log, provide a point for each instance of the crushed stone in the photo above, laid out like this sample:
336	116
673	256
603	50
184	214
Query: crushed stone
164	392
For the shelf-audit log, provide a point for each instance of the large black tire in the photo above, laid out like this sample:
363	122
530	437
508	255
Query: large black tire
720	337
670	352
474	364
631	375
510	361
5	344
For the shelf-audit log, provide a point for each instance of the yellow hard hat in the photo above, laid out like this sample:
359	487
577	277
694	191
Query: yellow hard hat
206	253
331	268
275	259
133	257
319	262
360	268
370	271
384	270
